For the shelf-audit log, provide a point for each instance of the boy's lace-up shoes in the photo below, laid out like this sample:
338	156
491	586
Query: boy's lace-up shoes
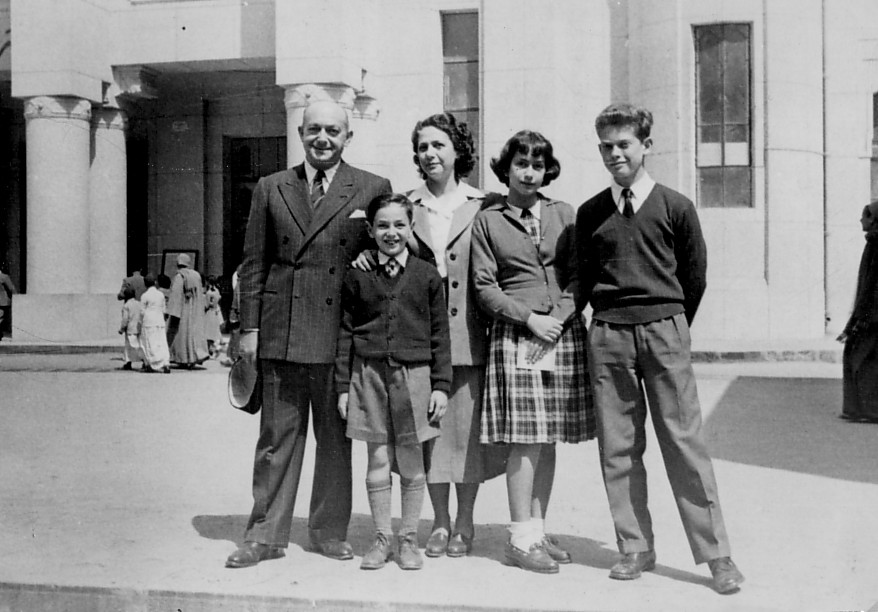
409	557
378	556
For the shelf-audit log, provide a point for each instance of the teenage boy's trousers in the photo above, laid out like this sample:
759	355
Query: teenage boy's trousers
626	360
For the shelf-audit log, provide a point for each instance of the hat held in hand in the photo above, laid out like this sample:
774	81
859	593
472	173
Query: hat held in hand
245	386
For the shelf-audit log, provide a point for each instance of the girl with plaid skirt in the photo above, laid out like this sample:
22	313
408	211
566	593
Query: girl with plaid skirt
537	390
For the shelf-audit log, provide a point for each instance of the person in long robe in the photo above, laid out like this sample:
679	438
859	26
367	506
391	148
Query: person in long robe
860	335
153	337
186	316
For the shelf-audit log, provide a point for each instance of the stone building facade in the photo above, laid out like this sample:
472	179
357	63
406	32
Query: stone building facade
135	129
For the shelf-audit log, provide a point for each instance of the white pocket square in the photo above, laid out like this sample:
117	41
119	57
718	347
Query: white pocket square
358	214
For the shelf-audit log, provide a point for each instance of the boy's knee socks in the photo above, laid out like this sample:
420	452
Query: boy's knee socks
379	494
412	502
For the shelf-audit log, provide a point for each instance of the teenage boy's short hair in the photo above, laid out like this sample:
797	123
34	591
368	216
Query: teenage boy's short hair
526	142
127	293
385	200
624	115
149	280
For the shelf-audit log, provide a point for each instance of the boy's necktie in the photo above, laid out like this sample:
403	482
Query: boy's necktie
628	209
317	192
532	225
391	267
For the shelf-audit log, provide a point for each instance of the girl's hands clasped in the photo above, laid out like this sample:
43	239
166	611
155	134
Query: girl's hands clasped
545	327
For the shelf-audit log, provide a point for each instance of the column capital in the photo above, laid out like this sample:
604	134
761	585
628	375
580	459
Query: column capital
300	95
57	107
109	118
366	107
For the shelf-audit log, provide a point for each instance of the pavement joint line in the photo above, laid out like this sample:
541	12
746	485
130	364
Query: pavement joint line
20	596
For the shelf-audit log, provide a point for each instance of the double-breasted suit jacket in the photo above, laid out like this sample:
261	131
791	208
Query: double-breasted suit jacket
295	260
295	257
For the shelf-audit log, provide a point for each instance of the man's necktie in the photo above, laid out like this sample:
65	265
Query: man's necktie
532	225
317	192
391	267
628	209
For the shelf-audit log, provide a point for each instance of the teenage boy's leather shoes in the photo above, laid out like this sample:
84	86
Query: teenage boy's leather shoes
334	549
632	565
251	553
534	560
550	544
726	576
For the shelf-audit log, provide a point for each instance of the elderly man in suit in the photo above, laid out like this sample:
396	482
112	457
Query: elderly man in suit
306	225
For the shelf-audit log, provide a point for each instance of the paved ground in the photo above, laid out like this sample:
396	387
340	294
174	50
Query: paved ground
125	491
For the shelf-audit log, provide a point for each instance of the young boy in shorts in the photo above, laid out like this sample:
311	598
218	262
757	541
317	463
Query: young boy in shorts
642	266
393	373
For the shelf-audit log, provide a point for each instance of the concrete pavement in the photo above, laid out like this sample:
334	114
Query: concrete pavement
124	491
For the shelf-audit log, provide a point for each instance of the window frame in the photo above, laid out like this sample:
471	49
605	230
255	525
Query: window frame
726	170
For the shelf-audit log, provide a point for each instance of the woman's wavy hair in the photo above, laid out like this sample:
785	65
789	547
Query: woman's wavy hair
461	139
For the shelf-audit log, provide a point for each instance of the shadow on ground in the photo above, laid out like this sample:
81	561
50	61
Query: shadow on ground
792	424
489	544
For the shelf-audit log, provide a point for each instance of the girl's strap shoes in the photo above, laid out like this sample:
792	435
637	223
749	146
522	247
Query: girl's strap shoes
437	544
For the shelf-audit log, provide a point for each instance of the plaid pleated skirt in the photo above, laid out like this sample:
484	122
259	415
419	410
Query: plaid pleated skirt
524	406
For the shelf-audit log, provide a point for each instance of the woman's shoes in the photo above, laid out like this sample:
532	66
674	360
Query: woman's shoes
459	545
437	544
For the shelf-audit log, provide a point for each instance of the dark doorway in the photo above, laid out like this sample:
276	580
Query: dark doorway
245	160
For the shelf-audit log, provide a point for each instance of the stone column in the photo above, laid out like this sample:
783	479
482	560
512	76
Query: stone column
297	97
58	134
363	151
108	211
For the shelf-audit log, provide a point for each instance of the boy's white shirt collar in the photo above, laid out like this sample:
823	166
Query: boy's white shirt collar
401	259
534	210
459	196
310	171
640	190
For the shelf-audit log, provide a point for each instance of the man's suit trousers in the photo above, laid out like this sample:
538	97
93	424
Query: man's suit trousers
288	391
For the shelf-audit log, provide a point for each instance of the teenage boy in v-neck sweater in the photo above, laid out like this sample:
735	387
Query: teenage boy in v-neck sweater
642	267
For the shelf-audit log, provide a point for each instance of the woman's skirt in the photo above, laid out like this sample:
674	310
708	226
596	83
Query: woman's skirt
526	406
456	455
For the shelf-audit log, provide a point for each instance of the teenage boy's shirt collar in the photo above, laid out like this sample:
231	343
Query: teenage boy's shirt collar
402	259
310	171
640	190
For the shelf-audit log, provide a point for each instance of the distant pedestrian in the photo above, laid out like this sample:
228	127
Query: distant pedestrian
130	328
7	289
537	391
234	324
163	284
643	269
213	316
153	340
393	373
135	282
186	316
860	335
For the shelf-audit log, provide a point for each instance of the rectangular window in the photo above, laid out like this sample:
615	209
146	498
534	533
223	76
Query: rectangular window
723	152
460	52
